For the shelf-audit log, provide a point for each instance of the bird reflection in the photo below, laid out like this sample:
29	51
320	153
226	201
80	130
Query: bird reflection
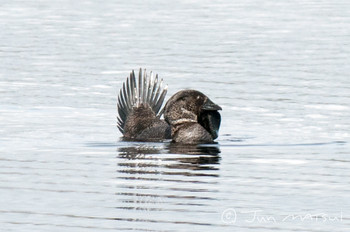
201	156
167	177
192	157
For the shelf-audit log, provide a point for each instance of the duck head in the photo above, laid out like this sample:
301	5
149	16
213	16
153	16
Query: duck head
188	106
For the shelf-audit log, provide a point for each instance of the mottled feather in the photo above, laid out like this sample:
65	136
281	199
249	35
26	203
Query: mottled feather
146	91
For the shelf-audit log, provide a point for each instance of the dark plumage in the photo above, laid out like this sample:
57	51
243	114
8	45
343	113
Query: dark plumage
138	107
190	116
193	117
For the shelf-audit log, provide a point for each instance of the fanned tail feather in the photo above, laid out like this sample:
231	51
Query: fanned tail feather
147	90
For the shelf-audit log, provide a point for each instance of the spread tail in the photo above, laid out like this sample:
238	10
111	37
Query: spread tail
147	90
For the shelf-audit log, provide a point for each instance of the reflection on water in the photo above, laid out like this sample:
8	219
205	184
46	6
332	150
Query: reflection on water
168	184
182	160
193	157
169	178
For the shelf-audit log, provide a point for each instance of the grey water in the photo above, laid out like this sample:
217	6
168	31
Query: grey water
279	69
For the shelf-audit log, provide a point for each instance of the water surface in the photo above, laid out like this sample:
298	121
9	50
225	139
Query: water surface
279	70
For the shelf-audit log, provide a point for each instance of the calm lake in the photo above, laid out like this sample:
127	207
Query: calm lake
279	69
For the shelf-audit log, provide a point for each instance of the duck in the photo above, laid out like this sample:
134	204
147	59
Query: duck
189	116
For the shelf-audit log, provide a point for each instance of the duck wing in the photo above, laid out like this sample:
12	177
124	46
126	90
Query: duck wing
148	90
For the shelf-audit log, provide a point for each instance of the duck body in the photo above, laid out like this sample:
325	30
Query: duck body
143	125
190	117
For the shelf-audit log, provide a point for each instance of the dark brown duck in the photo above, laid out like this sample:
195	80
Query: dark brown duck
190	116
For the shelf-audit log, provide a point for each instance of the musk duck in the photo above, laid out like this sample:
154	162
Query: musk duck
190	117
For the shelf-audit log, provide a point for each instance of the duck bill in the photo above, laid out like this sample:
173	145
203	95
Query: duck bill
209	105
